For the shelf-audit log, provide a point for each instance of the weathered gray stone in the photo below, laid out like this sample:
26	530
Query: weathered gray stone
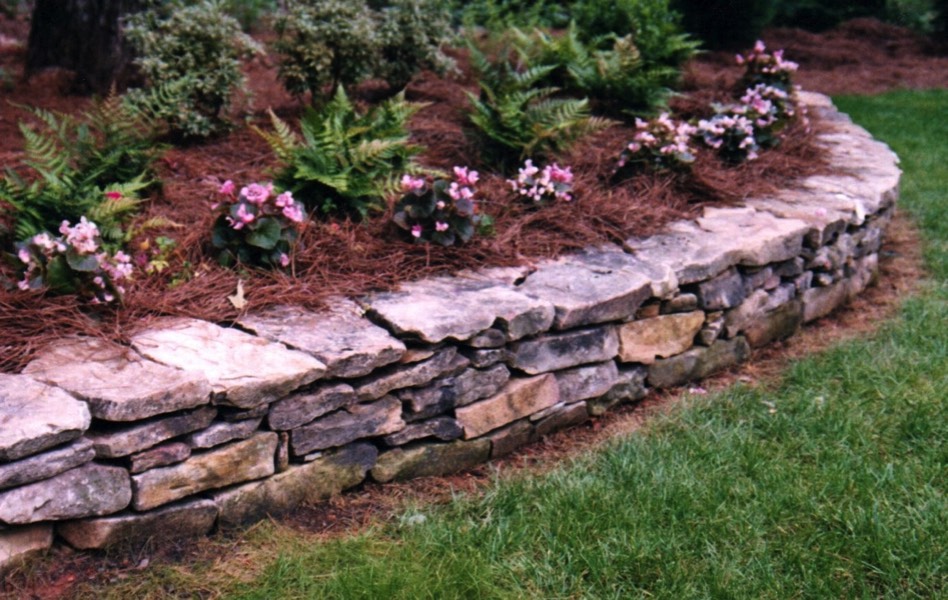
340	337
546	412
418	374
81	492
737	319
485	358
221	433
416	355
442	428
568	416
450	392
352	423
427	460
223	466
489	338
823	279
175	523
684	302
664	282
803	282
724	291
662	336
244	371
122	442
561	351
789	269
434	311
283	452
585	295
518	399
824	223
582	383
231	414
35	416
757	278
17	544
48	464
698	363
507	439
774	325
629	387
159	456
302	407
117	383
821	301
325	476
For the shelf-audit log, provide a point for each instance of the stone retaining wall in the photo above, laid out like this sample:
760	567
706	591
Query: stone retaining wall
197	426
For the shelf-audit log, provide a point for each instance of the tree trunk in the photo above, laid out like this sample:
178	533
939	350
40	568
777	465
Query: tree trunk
84	36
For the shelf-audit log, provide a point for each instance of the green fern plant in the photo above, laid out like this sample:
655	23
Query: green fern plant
94	166
616	79
345	163
516	117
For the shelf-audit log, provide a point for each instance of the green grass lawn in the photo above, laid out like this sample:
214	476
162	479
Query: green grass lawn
829	485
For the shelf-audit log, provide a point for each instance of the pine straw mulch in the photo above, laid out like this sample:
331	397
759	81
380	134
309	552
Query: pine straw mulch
346	258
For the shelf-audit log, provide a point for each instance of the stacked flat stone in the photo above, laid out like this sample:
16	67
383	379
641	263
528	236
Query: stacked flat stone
195	426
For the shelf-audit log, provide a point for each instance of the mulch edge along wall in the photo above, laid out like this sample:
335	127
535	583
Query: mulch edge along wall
196	427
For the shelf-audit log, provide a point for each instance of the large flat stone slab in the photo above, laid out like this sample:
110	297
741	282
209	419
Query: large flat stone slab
116	443
764	237
47	464
35	416
519	398
89	490
583	383
340	337
381	417
227	465
658	337
130	530
243	370
326	476
561	351
375	386
116	382
588	293
430	460
437	310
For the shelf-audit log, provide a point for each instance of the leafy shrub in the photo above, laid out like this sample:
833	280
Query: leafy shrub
256	226
770	108
439	211
940	23
325	44
499	15
346	162
817	15
726	24
73	263
516	117
539	186
194	50
249	13
412	33
660	142
93	166
616	79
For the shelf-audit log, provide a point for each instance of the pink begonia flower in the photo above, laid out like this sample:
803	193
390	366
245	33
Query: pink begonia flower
243	217
284	199
82	237
439	226
256	193
561	175
113	195
412	184
293	212
440	204
284	260
24	256
226	189
465	176
23	285
416	231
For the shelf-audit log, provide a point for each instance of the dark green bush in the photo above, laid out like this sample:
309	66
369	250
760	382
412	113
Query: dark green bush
726	24
412	34
499	15
818	15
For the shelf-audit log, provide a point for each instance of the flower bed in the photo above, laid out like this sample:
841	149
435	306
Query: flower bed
195	426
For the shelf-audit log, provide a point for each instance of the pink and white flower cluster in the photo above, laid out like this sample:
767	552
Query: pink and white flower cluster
763	67
662	141
252	203
731	134
439	210
78	250
542	186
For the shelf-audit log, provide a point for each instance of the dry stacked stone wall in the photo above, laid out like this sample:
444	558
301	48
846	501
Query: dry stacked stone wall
195	426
